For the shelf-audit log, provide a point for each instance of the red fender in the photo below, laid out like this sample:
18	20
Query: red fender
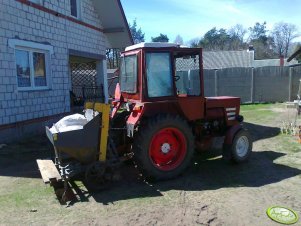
118	100
230	134
133	119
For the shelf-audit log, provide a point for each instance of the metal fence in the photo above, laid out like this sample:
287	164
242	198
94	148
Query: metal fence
83	74
80	94
84	88
254	85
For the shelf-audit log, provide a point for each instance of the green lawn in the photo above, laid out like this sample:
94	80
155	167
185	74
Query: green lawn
273	115
260	113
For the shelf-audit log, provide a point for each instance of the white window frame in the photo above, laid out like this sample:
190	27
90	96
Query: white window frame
34	47
78	9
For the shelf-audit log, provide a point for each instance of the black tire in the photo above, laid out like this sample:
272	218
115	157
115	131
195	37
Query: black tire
241	147
143	140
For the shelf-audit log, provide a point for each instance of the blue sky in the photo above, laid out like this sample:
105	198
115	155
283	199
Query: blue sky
192	18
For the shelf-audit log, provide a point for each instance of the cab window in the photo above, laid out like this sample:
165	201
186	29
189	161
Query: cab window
159	75
187	75
128	74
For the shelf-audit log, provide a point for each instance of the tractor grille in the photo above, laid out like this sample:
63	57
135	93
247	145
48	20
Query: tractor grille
231	114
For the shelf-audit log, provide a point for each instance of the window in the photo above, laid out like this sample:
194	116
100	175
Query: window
75	8
31	69
23	68
32	64
159	75
128	77
187	75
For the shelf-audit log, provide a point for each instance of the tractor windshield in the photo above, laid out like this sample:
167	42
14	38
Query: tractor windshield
128	74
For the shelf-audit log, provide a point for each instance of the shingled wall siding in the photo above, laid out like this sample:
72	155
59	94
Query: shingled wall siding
253	85
24	22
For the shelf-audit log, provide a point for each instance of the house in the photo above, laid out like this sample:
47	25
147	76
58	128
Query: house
227	59
239	58
44	44
295	54
274	62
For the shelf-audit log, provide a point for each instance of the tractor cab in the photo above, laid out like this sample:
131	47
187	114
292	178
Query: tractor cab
160	71
162	78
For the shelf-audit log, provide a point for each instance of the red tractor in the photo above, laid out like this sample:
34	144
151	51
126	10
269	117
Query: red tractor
159	116
160	103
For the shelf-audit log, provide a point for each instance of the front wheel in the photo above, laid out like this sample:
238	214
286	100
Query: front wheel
163	147
241	147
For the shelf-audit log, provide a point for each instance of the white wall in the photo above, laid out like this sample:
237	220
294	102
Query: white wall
18	20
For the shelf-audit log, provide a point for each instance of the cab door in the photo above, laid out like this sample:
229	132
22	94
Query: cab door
188	78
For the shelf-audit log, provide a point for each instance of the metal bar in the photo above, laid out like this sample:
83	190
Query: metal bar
104	132
290	84
252	85
104	109
216	83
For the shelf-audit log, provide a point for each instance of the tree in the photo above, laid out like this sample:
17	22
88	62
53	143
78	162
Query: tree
237	34
263	50
262	43
179	40
238	31
160	38
194	43
283	34
258	32
222	39
137	34
113	58
215	39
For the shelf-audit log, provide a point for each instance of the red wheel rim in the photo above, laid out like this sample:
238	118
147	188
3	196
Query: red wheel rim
168	149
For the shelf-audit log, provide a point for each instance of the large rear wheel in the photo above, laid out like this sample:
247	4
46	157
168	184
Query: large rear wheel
163	147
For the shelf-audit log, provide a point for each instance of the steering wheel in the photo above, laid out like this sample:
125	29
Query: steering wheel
177	78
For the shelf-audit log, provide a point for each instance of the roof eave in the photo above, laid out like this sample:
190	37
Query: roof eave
114	23
294	54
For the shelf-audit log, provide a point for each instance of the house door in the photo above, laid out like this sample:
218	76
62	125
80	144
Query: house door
84	85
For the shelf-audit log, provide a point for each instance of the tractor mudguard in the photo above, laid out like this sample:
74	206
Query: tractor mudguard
230	134
117	102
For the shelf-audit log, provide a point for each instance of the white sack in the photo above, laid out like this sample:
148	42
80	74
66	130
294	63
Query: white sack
90	114
53	129
73	122
70	128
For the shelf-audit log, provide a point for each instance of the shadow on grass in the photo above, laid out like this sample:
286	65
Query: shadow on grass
260	132
207	173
